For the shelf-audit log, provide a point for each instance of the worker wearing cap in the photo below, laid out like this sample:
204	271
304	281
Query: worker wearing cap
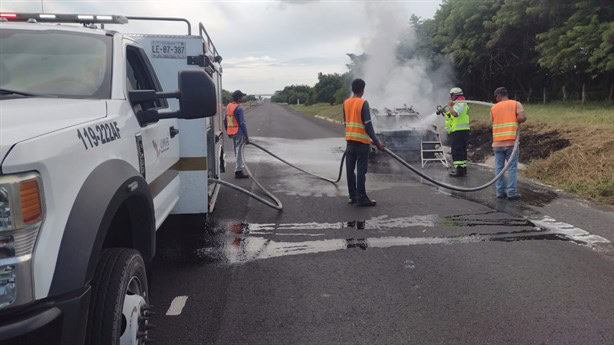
457	123
236	129
358	133
506	115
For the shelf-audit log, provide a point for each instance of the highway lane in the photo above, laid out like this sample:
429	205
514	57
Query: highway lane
424	266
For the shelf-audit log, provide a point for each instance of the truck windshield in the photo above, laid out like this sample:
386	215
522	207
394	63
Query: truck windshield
56	63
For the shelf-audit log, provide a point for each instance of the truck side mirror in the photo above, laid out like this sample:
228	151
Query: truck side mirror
197	95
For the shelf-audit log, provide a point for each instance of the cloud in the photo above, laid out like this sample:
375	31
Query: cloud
284	3
265	44
250	62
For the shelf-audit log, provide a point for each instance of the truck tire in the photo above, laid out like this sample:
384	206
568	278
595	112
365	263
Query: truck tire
119	309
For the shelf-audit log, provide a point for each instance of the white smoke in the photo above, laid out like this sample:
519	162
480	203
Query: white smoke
391	83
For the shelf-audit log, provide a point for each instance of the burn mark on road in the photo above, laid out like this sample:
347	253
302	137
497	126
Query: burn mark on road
238	242
468	221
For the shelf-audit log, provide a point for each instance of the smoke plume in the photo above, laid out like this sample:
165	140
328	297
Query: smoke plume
390	82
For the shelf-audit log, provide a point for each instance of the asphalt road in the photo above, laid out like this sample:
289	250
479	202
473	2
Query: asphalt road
422	267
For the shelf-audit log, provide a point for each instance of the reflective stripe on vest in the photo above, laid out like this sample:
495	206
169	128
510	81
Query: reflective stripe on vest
232	126
460	122
504	123
354	128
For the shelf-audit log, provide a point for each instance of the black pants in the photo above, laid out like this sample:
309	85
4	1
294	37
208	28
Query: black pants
357	155
458	141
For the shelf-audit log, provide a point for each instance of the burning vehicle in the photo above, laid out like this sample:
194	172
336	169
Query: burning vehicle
404	131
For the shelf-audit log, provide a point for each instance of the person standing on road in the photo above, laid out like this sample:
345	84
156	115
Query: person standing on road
236	129
506	115
358	133
457	123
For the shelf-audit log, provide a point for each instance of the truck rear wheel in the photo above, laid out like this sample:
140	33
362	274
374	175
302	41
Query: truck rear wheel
119	310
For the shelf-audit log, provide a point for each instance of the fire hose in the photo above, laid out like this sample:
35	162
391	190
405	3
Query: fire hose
456	188
276	204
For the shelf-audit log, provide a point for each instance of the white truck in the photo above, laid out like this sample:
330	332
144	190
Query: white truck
103	135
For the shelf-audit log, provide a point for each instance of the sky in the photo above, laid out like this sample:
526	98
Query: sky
266	45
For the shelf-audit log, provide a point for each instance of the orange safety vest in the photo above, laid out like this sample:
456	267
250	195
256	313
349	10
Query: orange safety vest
354	128
504	122
232	126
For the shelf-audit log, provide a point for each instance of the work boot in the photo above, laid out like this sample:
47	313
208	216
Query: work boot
455	172
351	201
463	171
240	174
366	203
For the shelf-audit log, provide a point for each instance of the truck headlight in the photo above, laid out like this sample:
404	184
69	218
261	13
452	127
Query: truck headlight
21	216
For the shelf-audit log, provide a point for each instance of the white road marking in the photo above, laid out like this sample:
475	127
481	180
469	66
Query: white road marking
177	305
569	231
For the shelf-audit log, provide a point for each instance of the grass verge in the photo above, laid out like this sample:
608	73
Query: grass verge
592	115
586	166
334	112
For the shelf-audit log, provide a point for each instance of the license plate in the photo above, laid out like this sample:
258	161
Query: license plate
168	50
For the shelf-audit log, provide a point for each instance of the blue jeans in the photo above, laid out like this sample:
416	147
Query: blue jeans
238	142
502	154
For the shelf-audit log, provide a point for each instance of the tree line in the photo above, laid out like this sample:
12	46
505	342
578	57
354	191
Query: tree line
541	50
330	88
556	49
227	97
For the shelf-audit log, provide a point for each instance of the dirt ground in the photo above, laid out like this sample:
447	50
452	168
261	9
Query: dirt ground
535	143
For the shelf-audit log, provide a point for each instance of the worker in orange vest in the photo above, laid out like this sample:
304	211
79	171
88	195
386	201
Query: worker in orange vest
237	130
506	116
358	133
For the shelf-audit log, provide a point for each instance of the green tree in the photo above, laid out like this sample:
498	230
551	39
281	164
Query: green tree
249	98
292	94
570	49
326	87
512	42
226	97
342	94
462	33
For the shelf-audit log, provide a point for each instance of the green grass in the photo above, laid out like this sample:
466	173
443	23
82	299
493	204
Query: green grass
571	114
334	112
592	115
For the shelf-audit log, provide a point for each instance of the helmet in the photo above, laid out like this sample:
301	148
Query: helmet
456	91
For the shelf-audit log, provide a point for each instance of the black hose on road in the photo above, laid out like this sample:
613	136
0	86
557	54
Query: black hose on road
456	188
302	170
276	204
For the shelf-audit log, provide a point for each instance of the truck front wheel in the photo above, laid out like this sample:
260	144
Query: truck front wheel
119	311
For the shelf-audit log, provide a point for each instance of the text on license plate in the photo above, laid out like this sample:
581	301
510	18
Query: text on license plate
168	50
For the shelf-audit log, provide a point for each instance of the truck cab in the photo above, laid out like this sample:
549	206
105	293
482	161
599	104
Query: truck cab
102	137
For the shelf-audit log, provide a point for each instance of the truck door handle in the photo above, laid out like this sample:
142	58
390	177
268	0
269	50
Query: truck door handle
173	131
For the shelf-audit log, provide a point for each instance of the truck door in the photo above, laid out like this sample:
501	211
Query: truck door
160	140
